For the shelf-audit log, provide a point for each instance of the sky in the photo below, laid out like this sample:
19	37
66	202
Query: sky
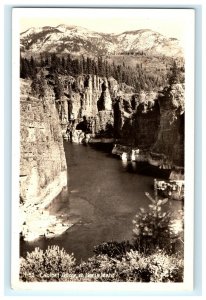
169	22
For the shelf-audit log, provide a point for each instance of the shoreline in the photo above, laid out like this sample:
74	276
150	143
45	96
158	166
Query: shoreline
35	221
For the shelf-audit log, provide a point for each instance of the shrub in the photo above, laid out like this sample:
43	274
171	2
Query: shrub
113	249
133	266
165	268
158	267
155	229
97	268
54	264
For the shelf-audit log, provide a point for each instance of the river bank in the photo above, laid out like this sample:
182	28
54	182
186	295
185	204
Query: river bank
35	220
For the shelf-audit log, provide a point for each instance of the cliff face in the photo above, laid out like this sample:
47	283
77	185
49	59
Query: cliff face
155	127
87	96
42	163
136	121
150	122
168	149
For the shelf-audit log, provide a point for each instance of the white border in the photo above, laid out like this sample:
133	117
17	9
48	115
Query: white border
189	167
106	2
203	146
15	148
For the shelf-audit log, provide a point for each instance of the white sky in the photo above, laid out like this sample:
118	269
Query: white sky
169	22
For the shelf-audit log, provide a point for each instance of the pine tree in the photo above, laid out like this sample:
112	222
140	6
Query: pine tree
63	64
81	68
24	68
100	66
42	61
75	69
35	85
54	63
175	74
89	66
84	64
42	85
33	65
38	85
58	87
69	64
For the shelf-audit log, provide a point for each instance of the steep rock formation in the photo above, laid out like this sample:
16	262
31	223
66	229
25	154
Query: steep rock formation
136	122
168	149
87	96
150	122
105	101
42	161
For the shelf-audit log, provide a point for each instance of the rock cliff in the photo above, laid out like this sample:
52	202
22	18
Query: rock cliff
168	150
42	161
150	122
90	97
153	124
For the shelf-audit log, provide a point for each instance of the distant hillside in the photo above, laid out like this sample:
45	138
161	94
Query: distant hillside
64	39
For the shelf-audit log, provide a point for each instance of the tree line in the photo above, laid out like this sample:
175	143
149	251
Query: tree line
138	77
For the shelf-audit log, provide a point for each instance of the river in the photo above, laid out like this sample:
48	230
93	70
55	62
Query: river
101	199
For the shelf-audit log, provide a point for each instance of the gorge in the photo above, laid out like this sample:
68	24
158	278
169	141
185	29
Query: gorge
138	115
149	123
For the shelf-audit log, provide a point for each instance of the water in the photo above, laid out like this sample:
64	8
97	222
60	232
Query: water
101	199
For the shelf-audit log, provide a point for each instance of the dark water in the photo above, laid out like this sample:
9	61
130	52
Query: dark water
101	199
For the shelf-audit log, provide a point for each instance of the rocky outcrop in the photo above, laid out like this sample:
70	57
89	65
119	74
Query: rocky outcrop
153	124
84	96
90	97
168	149
105	101
172	189
43	171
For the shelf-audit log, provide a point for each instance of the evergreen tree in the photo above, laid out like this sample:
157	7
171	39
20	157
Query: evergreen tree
175	76
81	68
35	85
42	85
75	69
58	87
100	66
84	64
63	64
38	85
69	64
24	68
42	61
89	66
33	66
54	63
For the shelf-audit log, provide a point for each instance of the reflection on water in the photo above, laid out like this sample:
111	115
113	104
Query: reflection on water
124	163
130	166
101	199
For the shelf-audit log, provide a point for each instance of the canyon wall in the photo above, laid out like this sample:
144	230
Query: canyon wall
168	150
86	96
43	171
151	122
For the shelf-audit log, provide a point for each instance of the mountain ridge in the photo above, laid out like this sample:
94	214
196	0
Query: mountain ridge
79	40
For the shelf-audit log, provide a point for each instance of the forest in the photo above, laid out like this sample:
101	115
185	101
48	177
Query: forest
139	77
